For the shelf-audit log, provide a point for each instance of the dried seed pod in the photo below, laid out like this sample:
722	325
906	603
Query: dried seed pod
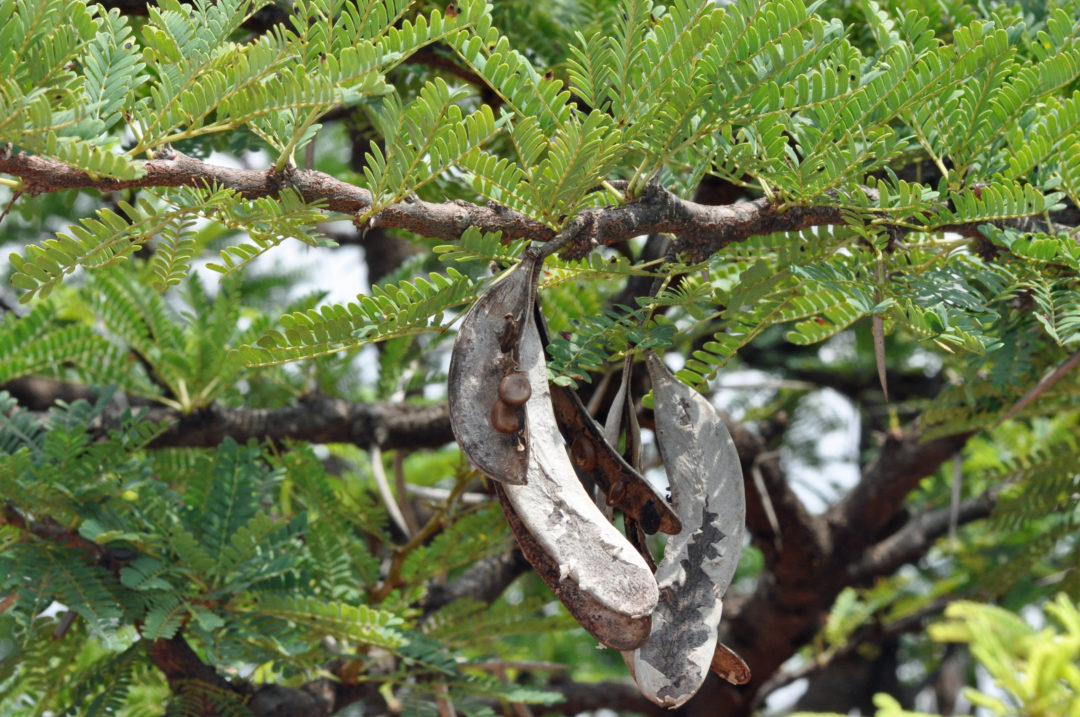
707	489
514	388
729	666
485	351
610	468
591	567
504	417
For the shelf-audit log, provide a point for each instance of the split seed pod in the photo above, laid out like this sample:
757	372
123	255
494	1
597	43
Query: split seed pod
485	353
604	583
593	454
707	490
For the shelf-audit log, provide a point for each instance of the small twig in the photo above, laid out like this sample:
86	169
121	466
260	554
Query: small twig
954	497
430	528
440	494
767	504
598	393
1049	380
384	491
62	627
16	195
495	665
517	708
403	494
444	705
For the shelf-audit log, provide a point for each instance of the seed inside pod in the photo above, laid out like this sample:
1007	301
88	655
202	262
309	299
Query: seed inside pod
514	389
583	453
504	418
650	518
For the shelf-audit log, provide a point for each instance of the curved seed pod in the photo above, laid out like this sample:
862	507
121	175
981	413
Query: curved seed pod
707	489
598	458
485	352
597	574
729	666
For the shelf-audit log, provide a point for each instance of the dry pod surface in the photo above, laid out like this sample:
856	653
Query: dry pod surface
592	453
485	353
707	490
729	666
603	581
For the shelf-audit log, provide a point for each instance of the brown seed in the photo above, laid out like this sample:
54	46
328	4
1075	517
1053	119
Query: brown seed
583	453
616	493
650	518
515	389
504	418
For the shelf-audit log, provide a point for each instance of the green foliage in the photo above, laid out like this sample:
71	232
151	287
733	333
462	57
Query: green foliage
939	139
193	551
1034	670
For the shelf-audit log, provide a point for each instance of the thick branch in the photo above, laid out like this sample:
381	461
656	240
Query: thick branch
791	599
701	229
799	532
621	697
904	461
484	580
872	633
316	419
319	698
917	536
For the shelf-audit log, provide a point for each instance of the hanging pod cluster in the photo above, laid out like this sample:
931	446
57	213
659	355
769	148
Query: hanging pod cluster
539	443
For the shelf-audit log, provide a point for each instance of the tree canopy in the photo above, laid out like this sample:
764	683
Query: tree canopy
224	494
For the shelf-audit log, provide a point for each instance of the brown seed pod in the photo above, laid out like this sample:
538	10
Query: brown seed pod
486	349
729	666
514	389
504	417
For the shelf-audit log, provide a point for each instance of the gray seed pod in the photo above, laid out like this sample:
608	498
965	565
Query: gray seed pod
707	490
485	352
591	567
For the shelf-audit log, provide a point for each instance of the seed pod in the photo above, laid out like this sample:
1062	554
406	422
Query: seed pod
729	666
514	388
609	468
485	352
602	580
707	490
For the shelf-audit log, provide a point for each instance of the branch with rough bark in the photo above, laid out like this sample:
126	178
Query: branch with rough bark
701	229
317	419
915	538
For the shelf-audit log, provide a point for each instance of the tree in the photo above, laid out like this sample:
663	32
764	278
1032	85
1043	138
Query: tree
206	508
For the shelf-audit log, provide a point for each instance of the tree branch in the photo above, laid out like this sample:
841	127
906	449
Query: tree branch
916	537
794	594
315	419
620	697
904	460
484	580
875	632
701	229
